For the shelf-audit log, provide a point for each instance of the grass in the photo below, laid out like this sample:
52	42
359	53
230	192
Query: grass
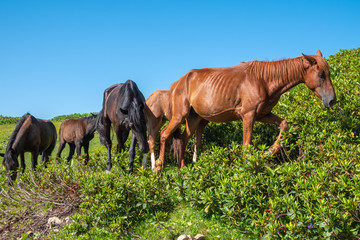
7	129
186	220
309	191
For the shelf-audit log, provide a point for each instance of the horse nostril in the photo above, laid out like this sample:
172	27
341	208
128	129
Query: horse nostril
332	102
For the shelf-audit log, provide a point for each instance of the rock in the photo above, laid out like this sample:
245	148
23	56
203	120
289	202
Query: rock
200	237
183	237
53	221
68	220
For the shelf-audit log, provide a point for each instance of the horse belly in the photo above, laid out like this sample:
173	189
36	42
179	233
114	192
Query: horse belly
220	112
216	98
217	109
228	116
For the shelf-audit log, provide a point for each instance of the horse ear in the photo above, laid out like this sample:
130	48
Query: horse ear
309	61
319	53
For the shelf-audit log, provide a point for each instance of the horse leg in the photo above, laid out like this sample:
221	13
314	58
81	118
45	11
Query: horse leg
61	148
272	118
199	132
144	162
121	136
86	150
71	152
248	125
154	128
22	161
78	148
34	158
164	135
192	123
132	152
180	109
108	144
45	158
47	153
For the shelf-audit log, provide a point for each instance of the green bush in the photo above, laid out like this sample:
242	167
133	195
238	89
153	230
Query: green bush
8	120
71	116
309	191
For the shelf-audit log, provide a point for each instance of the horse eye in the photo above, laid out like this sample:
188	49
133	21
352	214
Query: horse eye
322	75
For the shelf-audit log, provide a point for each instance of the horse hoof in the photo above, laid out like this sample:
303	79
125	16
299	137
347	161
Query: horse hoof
274	149
158	169
158	163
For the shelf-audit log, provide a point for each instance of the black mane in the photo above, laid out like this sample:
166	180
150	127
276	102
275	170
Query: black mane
135	98
16	131
92	116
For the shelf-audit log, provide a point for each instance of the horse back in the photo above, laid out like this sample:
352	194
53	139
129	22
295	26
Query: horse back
214	93
72	129
48	135
109	98
28	137
35	134
158	105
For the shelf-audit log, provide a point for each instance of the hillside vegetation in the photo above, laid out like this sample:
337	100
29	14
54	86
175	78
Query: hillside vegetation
309	191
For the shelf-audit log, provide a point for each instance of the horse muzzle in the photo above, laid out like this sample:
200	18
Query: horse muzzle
11	178
329	102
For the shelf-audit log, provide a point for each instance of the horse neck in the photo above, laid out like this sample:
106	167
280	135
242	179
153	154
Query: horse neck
276	89
90	125
279	76
19	143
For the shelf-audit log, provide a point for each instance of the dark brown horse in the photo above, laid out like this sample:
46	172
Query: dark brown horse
247	91
123	106
30	135
77	133
158	111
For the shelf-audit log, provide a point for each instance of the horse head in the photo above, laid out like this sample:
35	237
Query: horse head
11	164
91	122
317	78
131	108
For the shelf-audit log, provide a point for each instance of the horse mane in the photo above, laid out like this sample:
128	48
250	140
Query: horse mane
16	131
282	71
134	109
92	116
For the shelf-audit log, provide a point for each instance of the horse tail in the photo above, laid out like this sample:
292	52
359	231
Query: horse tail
100	128
177	145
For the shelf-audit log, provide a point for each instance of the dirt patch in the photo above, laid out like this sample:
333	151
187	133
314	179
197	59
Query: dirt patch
23	208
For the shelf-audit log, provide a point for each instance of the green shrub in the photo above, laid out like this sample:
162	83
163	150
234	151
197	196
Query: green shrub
8	120
309	191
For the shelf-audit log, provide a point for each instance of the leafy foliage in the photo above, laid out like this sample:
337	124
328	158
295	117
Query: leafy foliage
71	116
8	120
309	191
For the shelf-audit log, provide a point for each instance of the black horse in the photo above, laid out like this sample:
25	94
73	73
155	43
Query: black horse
123	106
30	135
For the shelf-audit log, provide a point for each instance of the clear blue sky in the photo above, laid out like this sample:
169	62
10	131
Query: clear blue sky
57	57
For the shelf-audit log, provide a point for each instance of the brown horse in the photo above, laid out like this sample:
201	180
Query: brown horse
77	133
123	106
247	91
158	111
30	135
